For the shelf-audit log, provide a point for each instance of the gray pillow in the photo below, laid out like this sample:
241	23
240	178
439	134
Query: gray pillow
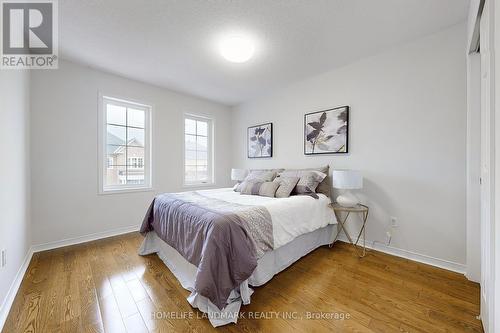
265	189
268	189
263	175
250	187
325	186
308	182
266	170
257	177
286	186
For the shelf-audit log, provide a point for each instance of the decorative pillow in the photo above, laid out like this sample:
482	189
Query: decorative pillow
257	177
261	175
268	189
310	194
250	187
325	186
286	186
308	182
265	189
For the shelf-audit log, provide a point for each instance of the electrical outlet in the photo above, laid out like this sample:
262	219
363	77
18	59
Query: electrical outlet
389	238
3	258
394	222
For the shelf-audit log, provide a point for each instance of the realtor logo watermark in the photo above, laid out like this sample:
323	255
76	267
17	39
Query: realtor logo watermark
29	34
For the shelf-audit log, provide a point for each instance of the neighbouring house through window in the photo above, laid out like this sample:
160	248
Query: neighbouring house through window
125	145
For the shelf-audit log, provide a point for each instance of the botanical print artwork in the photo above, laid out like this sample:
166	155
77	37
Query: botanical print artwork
326	132
260	141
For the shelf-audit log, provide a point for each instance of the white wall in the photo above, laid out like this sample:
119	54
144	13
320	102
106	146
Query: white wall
407	135
14	179
65	200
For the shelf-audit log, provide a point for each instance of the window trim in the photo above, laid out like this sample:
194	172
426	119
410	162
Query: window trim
102	158
210	152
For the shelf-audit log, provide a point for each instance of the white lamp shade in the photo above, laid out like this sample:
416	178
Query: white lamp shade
347	179
238	174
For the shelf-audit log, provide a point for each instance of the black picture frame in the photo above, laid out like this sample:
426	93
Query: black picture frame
308	129
269	150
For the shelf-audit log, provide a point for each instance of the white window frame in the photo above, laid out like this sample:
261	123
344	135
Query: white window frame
210	150
102	135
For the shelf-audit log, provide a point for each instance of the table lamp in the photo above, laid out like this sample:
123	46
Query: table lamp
347	180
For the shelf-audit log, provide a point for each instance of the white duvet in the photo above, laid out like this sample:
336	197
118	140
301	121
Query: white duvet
291	216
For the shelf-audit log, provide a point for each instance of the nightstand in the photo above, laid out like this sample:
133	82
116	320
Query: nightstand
360	209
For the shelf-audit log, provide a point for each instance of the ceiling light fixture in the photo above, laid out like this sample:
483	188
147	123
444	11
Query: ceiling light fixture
237	49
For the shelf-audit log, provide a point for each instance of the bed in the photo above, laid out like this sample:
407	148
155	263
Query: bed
218	243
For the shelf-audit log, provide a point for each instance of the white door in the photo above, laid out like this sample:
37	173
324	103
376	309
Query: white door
487	146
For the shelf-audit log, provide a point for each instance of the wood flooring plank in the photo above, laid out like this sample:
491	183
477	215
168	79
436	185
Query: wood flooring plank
111	317
104	286
135	324
136	290
89	304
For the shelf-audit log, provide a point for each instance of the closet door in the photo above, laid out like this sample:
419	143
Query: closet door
487	180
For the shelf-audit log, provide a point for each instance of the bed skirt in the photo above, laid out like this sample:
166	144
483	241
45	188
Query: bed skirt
269	265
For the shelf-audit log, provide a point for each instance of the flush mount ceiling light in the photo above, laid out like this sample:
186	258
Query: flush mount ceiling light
237	48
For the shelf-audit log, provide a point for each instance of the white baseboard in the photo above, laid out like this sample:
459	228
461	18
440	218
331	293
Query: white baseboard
425	259
472	277
84	239
14	287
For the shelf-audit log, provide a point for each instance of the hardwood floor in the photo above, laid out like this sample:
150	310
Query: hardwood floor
104	286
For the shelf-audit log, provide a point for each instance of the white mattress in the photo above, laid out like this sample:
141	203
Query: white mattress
292	216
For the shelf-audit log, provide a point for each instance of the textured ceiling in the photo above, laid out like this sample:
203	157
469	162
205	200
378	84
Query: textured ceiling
174	43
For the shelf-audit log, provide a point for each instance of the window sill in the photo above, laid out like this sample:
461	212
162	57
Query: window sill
195	185
126	190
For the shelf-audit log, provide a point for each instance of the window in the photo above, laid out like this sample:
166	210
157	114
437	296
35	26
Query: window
136	162
110	162
125	145
198	160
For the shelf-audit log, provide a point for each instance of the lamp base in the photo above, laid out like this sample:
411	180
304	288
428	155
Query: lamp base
347	199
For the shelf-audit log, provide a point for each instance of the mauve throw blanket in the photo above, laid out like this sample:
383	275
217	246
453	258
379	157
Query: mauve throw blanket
222	239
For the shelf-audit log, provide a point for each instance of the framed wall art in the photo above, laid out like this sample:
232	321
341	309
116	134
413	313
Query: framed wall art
327	131
260	141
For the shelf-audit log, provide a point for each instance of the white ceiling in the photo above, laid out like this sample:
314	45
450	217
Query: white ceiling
174	43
